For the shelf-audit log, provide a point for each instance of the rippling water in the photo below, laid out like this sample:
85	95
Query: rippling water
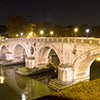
16	87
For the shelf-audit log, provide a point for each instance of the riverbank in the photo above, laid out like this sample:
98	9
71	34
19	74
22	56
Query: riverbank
83	91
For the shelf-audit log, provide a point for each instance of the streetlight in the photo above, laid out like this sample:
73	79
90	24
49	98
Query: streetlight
51	33
16	35
21	34
75	30
30	34
87	32
41	32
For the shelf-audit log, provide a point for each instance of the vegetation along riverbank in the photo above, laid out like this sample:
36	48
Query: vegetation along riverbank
83	91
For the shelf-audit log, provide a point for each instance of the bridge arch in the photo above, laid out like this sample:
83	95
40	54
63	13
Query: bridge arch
84	62
47	54
95	69
4	50
20	51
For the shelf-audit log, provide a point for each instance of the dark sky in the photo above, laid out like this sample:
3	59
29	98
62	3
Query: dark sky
64	12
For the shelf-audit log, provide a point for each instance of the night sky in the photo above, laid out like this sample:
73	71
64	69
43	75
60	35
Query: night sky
62	12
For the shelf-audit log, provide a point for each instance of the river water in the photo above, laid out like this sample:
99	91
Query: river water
17	87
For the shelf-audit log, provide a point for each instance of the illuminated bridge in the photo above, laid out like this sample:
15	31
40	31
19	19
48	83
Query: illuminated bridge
72	55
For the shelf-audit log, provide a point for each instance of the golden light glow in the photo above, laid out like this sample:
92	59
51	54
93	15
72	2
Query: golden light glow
87	30
31	33
34	35
98	59
41	32
23	97
51	32
1	79
27	36
75	29
21	33
16	35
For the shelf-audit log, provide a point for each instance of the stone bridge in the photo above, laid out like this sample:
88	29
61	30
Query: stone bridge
72	55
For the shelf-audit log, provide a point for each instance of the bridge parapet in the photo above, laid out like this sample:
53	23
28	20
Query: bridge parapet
57	39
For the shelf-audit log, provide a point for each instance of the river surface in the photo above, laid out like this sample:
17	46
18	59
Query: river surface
17	87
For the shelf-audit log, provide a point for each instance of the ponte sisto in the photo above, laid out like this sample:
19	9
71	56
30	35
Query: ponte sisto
72	55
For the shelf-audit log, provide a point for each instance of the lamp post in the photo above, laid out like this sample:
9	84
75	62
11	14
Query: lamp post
87	32
30	34
21	34
41	32
76	31
51	33
16	35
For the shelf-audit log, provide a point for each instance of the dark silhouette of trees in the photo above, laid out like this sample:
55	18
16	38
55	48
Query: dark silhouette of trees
3	30
16	25
96	31
20	24
83	28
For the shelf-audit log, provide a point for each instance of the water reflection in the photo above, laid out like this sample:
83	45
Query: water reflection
27	87
2	77
23	97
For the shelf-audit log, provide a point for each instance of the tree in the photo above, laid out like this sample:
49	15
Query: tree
16	25
3	30
96	31
83	28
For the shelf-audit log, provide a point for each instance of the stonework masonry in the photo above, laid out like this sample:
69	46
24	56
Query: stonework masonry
77	52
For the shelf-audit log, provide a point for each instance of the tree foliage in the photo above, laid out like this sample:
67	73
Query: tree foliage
3	30
16	25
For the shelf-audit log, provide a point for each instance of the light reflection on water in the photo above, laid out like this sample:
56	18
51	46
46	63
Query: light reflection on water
23	88
16	87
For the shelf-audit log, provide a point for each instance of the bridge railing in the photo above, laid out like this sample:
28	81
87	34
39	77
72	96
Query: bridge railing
57	39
